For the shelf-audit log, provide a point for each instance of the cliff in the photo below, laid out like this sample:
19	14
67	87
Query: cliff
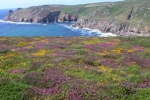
40	14
129	17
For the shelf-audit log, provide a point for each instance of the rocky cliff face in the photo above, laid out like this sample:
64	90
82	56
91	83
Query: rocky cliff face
130	17
8	17
39	14
105	26
67	17
113	27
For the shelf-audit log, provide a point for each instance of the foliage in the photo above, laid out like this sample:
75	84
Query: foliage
10	90
74	68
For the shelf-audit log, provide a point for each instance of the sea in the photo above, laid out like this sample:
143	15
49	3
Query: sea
61	29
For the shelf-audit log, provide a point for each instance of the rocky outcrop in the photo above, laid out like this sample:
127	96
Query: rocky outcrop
122	29
49	17
39	14
67	17
126	20
8	17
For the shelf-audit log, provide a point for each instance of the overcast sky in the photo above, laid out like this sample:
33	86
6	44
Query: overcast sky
27	3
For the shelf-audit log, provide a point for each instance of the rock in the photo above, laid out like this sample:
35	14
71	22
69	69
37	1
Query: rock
39	14
8	17
104	26
19	9
67	17
11	11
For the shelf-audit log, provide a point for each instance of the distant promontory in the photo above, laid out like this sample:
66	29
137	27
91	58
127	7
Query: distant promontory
40	14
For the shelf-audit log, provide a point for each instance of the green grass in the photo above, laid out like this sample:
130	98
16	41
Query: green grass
113	68
11	90
116	11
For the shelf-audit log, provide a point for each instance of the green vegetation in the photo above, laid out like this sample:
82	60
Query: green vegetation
132	13
119	10
43	68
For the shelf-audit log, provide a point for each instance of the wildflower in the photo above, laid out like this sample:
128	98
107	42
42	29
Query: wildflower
103	53
118	50
92	41
21	44
130	50
102	69
41	52
135	49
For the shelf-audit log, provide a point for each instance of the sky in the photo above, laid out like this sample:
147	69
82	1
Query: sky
27	3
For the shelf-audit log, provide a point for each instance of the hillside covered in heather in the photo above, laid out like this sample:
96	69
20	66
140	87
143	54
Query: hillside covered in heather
42	68
129	17
79	68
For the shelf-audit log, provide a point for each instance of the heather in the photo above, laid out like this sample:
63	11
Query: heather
64	68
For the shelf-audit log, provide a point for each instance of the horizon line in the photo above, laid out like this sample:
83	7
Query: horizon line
61	4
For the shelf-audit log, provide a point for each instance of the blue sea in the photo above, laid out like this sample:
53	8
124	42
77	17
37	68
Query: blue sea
11	29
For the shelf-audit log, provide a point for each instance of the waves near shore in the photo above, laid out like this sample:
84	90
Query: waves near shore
9	28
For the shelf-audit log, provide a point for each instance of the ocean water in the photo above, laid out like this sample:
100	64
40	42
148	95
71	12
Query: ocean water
12	29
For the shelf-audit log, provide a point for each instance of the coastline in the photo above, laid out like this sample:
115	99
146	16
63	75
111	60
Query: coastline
102	34
11	22
72	27
82	32
101	27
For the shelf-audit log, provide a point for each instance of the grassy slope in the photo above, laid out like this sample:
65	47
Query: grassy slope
74	68
118	11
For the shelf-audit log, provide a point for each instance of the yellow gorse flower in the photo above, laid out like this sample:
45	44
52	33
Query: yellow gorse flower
103	53
92	41
9	55
118	50
104	69
133	50
41	52
21	44
130	50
